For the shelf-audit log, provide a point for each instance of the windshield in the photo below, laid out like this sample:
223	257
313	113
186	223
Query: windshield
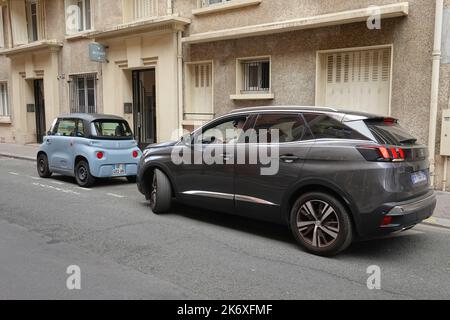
111	129
390	133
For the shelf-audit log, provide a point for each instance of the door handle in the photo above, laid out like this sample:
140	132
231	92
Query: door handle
289	158
48	141
226	157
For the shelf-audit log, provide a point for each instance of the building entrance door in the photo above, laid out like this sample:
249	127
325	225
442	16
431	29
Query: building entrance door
39	103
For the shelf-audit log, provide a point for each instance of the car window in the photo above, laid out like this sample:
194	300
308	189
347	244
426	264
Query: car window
66	128
325	127
80	128
290	127
111	129
225	132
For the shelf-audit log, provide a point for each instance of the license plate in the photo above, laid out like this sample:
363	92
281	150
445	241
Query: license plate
419	177
118	169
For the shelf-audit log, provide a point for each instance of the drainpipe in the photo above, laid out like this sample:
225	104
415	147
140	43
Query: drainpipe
180	81
435	87
444	182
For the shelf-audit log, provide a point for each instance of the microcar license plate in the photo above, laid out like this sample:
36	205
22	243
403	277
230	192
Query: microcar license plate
118	169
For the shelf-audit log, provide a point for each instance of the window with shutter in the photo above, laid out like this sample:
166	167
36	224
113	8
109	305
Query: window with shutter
18	22
199	92
143	9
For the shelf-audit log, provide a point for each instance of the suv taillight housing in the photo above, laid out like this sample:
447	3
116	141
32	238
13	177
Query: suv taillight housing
382	153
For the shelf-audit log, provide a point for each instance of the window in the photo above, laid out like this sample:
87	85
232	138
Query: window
324	127
224	132
83	93
4	104
199	91
256	76
66	128
290	127
206	3
32	20
143	9
111	129
78	16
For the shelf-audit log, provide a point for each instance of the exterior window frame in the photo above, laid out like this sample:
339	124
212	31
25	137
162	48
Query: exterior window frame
5	110
32	20
241	93
74	92
86	18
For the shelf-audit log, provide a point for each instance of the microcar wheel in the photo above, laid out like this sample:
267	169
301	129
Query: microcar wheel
83	175
321	224
161	193
42	166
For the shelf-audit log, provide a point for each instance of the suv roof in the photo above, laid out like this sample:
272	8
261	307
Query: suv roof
308	109
91	116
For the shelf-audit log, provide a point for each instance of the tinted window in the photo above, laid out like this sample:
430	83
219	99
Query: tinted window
290	127
66	127
111	129
390	133
224	132
324	127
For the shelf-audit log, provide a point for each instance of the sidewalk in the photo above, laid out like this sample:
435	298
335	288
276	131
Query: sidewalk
26	152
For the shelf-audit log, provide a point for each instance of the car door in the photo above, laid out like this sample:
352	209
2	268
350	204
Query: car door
209	180
261	188
62	142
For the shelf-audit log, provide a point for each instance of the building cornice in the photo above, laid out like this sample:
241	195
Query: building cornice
142	26
32	47
325	20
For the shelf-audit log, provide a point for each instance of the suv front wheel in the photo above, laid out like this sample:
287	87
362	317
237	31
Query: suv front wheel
161	193
321	224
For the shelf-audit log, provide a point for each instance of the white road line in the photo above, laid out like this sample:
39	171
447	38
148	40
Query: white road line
56	188
14	173
115	195
84	189
56	182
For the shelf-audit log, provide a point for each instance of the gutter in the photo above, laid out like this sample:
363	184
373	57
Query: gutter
435	78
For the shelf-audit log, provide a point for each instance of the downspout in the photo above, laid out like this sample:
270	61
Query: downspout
435	78
180	82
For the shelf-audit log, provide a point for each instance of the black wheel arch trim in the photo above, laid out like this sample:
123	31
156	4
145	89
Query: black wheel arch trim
319	183
164	169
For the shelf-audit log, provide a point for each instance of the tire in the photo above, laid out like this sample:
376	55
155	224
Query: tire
83	175
161	193
42	166
131	179
324	237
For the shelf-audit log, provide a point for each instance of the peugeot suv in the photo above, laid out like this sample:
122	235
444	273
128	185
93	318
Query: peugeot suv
332	176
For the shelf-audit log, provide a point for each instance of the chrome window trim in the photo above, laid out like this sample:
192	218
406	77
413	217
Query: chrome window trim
228	196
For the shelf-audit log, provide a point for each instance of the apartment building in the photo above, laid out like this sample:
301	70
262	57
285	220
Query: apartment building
178	63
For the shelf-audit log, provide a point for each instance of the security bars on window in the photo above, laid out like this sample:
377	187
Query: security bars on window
256	76
83	93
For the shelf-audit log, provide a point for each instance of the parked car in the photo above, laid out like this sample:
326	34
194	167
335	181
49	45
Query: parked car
343	176
89	146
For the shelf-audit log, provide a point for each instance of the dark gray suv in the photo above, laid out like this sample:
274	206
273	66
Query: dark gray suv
340	176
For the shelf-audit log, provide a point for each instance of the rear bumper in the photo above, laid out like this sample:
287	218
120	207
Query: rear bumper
404	215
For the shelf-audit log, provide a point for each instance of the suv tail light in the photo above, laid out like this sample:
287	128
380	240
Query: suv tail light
382	153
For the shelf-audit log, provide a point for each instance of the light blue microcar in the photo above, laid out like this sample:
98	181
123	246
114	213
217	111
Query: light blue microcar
89	146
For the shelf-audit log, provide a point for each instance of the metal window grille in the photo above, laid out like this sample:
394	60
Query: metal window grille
83	93
256	76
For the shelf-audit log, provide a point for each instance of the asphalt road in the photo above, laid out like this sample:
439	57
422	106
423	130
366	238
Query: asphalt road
125	251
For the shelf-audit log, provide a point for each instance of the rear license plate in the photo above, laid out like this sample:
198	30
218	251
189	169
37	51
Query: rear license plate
419	177
118	169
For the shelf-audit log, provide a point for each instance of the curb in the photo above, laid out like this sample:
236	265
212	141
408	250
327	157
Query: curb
15	156
438	222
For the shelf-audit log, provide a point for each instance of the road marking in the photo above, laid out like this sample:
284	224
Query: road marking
55	188
14	173
56	182
115	195
84	189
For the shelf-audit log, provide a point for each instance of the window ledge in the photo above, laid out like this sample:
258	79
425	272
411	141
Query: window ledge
78	35
234	4
253	96
5	120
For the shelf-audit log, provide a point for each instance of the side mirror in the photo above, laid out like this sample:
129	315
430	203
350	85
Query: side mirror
186	139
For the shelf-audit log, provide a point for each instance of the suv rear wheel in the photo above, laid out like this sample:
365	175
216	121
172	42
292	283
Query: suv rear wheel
161	193
321	224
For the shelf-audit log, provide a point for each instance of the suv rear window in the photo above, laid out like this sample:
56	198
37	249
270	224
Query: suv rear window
390	133
111	129
324	127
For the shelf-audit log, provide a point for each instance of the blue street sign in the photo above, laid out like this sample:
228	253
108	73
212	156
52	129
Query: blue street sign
97	52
